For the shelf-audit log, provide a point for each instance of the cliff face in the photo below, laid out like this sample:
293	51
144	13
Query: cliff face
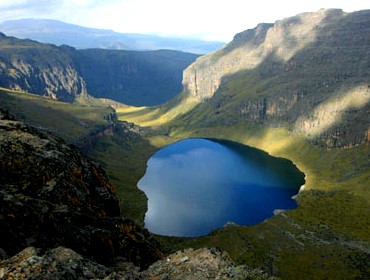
39	68
64	73
51	195
309	73
203	78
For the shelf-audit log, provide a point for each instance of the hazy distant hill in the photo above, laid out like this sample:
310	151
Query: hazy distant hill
132	77
59	33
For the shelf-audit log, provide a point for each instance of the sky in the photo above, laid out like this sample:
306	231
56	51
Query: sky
205	19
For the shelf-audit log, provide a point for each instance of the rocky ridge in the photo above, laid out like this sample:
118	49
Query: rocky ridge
52	195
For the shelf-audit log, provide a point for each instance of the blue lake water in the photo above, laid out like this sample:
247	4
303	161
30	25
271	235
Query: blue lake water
197	185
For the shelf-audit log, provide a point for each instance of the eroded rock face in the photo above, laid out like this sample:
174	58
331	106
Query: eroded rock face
44	69
51	195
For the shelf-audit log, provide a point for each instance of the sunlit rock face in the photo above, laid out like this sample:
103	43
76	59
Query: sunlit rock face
47	70
309	73
327	116
250	48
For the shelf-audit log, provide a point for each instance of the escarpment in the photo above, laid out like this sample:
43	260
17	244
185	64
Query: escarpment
309	73
52	195
48	70
64	73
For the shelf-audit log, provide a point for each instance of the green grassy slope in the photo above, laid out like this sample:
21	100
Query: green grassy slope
122	152
71	121
327	236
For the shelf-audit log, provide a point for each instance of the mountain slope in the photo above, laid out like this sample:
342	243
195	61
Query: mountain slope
308	73
64	73
60	33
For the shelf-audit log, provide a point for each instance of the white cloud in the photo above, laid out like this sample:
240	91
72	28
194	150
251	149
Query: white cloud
213	19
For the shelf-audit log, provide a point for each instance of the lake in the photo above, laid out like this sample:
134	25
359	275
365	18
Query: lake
197	185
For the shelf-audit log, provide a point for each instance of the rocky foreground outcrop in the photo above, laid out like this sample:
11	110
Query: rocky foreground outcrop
63	263
52	195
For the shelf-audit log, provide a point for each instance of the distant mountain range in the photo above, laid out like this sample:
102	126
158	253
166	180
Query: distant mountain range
61	33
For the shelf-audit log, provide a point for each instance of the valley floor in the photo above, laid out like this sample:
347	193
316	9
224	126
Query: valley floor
326	236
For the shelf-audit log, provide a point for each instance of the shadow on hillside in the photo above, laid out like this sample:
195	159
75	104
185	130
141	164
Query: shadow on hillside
321	90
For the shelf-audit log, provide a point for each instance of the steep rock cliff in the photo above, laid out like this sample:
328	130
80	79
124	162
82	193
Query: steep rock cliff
309	73
51	195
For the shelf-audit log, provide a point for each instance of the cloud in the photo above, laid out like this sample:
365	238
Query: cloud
55	9
16	9
28	5
216	20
